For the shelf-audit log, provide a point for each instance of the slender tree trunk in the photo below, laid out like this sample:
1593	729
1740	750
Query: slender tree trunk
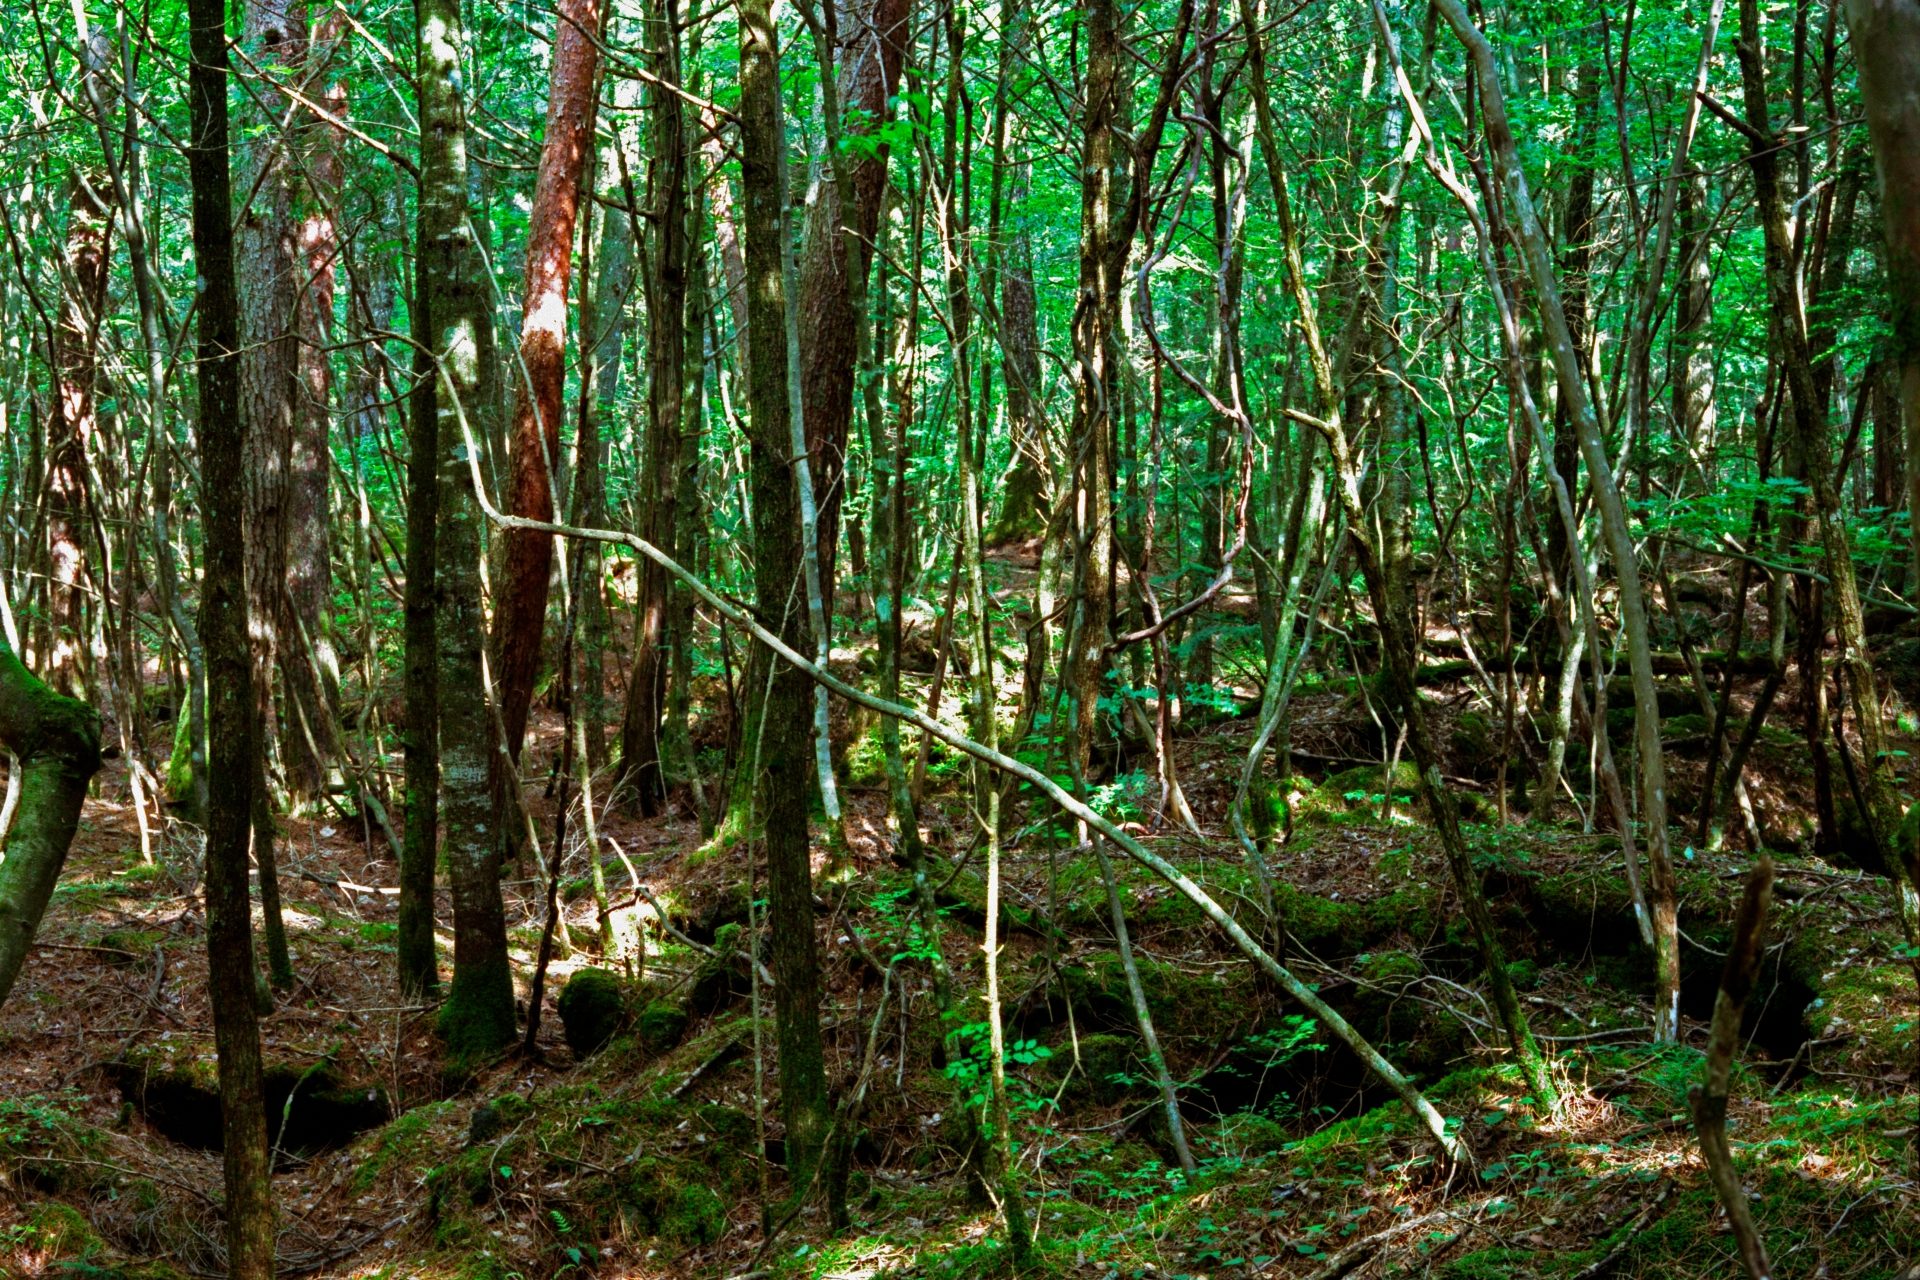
478	1016
841	225
1613	519
223	628
1881	803
420	758
783	730
1029	481
269	275
520	619
640	760
55	744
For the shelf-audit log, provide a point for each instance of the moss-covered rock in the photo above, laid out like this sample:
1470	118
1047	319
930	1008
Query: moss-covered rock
666	1201
1364	784
661	1025
593	1010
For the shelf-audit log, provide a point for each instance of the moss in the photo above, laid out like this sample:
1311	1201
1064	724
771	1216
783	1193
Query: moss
404	1141
1364	784
61	1231
721	974
1329	927
593	1009
1181	1003
1249	1133
662	1024
1490	1264
1523	974
1266	809
666	1205
179	779
1109	1071
136	944
477	1021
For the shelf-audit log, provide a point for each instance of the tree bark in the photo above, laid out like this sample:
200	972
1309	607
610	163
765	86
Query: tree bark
268	275
233	724
478	1016
1886	49
56	743
780	740
1618	533
418	958
309	669
76	341
640	763
873	37
1814	446
520	618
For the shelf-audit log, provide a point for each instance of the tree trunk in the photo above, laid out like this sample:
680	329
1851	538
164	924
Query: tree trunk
269	277
779	744
520	618
478	1017
233	727
309	669
1886	48
873	37
1023	506
76	341
1613	519
640	764
419	961
56	745
1880	798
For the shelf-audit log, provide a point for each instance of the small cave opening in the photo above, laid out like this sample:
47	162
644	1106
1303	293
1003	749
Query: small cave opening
310	1108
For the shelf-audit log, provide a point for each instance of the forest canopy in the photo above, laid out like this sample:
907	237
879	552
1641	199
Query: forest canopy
1190	638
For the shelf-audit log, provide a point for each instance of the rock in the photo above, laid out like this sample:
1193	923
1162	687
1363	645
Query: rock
593	1009
662	1024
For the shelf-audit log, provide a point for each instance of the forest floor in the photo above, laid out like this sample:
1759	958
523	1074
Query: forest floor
645	1158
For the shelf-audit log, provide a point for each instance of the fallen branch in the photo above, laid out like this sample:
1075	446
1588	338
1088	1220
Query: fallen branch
1450	1145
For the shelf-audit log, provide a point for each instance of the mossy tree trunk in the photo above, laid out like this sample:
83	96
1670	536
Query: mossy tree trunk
783	728
478	1017
233	725
57	742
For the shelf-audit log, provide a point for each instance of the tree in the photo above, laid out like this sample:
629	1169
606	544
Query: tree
641	767
233	727
520	624
1886	40
478	1017
777	741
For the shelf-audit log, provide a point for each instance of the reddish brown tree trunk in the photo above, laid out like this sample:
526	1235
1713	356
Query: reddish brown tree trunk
76	340
535	443
872	46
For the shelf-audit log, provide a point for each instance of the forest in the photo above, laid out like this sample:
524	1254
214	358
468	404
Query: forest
836	639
